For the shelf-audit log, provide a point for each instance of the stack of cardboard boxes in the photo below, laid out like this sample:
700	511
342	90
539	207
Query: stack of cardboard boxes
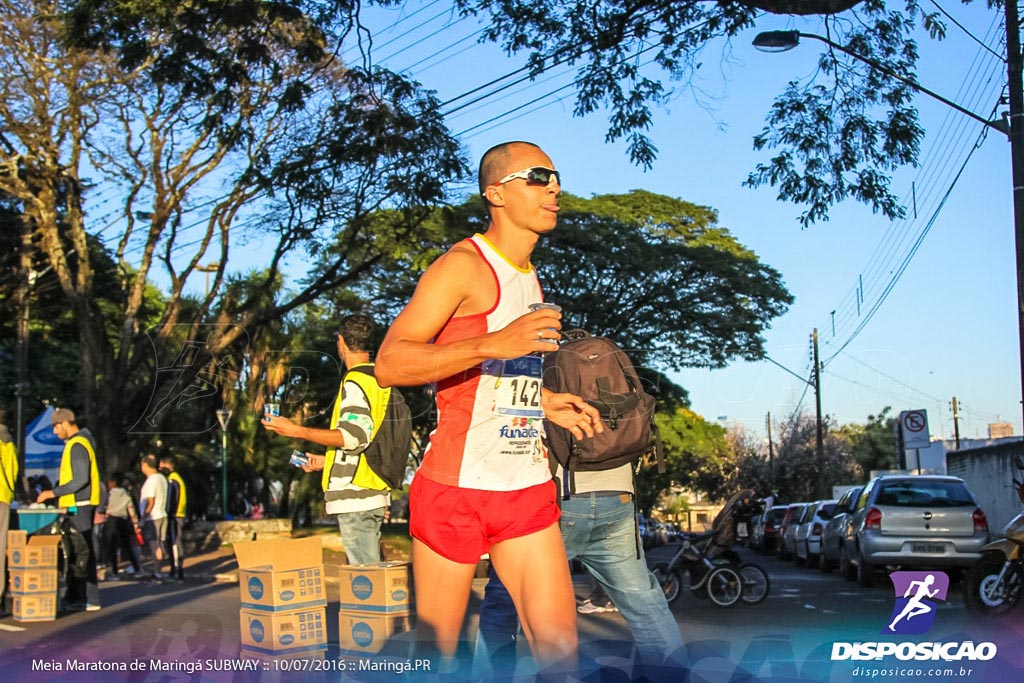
283	597
32	566
375	605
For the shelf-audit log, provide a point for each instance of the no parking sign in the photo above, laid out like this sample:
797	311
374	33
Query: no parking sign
914	424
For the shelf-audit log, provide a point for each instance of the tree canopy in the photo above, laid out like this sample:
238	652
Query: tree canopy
657	274
836	135
167	154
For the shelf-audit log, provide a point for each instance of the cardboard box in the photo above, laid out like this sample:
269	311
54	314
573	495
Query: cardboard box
281	575
365	632
37	607
383	587
35	552
27	581
276	633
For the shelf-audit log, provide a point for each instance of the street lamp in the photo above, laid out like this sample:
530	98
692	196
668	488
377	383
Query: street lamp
223	417
209	268
780	41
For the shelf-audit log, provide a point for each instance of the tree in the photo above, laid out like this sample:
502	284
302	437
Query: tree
189	153
797	474
838	135
873	445
656	274
753	467
699	458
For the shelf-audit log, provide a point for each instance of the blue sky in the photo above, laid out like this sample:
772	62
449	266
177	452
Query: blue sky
947	327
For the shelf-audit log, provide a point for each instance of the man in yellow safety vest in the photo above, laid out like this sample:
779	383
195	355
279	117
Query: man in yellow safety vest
8	481
78	490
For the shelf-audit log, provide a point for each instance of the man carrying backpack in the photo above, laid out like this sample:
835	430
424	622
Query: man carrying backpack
595	477
353	492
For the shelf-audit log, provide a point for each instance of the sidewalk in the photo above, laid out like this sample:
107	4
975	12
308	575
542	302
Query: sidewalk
219	564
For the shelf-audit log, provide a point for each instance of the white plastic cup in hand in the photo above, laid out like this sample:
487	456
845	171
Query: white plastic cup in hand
271	409
544	306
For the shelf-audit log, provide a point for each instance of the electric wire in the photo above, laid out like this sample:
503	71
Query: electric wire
965	30
896	244
891	378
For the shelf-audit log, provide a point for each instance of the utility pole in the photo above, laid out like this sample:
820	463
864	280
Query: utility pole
1015	84
771	454
956	422
23	298
819	450
223	417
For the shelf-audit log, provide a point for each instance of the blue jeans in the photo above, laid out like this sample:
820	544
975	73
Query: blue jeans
600	530
497	631
360	533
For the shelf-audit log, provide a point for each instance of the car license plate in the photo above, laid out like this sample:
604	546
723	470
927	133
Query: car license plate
927	547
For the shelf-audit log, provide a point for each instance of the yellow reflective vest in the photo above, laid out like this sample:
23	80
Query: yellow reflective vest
8	471
378	398
69	500
182	496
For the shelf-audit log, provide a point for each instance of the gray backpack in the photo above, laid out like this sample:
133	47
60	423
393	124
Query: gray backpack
596	369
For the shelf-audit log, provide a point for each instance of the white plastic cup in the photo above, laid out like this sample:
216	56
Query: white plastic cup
542	306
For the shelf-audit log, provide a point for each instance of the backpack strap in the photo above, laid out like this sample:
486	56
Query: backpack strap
613	406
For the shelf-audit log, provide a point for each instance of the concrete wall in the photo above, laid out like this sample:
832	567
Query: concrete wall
209	535
989	473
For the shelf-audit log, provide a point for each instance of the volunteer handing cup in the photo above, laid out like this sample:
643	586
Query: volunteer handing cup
271	409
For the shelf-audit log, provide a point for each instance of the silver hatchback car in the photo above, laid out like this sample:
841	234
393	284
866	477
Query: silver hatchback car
920	521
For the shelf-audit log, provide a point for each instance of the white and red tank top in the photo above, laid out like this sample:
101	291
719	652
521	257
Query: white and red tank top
490	422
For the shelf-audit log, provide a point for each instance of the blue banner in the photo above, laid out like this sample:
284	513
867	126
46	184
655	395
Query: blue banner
42	447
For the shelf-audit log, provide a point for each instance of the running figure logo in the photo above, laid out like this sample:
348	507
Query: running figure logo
916	596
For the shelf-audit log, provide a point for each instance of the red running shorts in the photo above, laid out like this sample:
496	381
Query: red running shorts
462	524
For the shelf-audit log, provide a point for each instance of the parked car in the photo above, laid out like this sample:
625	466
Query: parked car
787	530
808	534
916	522
641	528
766	529
659	532
835	529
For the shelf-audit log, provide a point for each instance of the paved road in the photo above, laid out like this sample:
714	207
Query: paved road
788	637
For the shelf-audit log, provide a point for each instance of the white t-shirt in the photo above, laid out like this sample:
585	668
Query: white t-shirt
154	487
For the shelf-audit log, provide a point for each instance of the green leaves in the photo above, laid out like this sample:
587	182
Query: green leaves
838	134
660	277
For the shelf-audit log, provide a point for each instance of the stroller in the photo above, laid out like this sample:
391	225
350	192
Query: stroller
714	568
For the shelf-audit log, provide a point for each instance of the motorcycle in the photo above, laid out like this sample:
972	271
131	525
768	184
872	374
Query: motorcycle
994	583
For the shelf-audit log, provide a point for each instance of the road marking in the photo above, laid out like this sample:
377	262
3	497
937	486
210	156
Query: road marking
13	629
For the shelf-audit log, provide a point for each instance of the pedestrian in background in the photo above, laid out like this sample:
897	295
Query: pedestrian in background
153	511
8	481
177	502
121	524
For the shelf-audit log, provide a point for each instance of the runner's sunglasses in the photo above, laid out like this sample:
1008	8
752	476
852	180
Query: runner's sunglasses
538	175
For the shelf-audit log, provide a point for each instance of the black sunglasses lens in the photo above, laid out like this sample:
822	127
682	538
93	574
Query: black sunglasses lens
541	176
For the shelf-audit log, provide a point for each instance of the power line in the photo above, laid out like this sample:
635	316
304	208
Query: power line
966	31
892	254
891	378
